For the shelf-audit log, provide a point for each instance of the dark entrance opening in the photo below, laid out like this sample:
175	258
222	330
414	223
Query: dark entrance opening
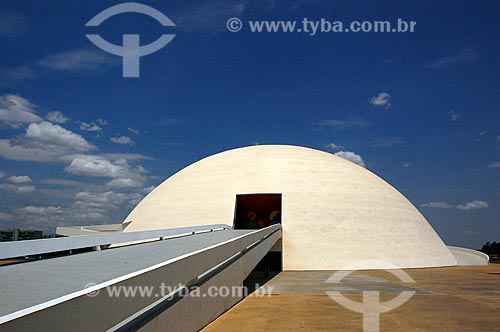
254	211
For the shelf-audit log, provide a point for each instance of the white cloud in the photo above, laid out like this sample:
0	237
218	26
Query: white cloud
98	167
465	55
13	151
56	117
468	206
19	179
15	110
17	189
41	210
351	156
334	146
204	18
126	156
101	122
494	165
80	59
473	205
383	99
5	216
134	131
45	142
437	205
105	200
90	126
350	123
125	183
149	189
407	165
124	140
454	116
93	167
53	134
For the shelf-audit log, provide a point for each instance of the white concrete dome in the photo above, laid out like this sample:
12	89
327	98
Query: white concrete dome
333	212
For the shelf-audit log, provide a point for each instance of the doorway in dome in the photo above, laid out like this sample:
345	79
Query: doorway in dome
255	211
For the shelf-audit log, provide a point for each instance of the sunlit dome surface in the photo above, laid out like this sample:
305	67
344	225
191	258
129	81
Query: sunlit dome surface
333	212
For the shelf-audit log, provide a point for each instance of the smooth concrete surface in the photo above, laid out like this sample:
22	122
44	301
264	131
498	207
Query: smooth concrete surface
454	299
469	257
26	285
64	293
334	212
193	313
34	247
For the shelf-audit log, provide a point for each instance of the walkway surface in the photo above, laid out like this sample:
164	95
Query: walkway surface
446	299
26	285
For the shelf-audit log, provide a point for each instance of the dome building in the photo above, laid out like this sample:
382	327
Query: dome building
333	212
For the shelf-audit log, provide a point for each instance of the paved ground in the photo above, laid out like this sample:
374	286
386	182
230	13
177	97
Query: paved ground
458	299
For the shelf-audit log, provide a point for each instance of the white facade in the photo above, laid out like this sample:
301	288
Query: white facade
334	212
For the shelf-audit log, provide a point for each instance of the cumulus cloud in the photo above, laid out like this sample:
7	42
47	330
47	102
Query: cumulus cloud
473	205
97	167
19	179
383	99
334	146
149	189
350	123
16	110
18	189
56	135
44	142
125	183
493	165
437	205
476	204
5	216
465	55
90	126
351	156
41	210
21	152
105	200
124	140
407	165
56	117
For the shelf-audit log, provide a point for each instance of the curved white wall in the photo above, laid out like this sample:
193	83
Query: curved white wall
334	212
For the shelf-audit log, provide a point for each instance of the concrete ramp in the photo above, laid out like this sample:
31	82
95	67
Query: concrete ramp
135	287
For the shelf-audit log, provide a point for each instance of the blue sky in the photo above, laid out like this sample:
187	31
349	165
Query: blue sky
80	144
